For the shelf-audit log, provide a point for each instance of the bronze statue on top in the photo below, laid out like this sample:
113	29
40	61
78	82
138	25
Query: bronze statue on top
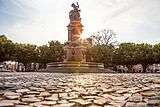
74	14
75	7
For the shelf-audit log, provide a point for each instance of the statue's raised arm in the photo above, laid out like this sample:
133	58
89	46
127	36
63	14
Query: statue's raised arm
77	5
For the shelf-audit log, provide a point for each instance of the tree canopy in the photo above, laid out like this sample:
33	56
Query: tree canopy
6	48
104	50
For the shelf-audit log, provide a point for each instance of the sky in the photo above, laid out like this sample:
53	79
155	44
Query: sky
40	21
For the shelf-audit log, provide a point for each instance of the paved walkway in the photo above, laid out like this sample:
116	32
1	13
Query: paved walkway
79	90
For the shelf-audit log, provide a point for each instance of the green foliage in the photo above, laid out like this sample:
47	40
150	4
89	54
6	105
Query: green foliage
6	48
56	51
106	51
156	53
102	52
43	54
131	54
25	53
124	54
51	53
103	48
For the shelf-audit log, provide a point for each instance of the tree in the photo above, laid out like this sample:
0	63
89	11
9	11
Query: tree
144	55
103	47
156	53
124	54
6	49
43	55
130	54
104	37
25	53
56	51
100	54
53	52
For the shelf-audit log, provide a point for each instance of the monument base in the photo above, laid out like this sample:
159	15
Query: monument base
75	67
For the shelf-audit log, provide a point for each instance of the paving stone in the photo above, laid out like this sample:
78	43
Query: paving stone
2	86
31	100
36	84
12	97
10	93
63	95
115	98
22	106
22	90
154	97
156	81
109	90
45	94
63	102
141	104
41	98
135	91
148	93
68	90
117	84
26	96
153	102
37	104
33	92
48	103
1	93
109	106
136	98
36	89
130	104
153	86
90	97
93	105
54	97
74	94
8	103
22	103
146	89
64	105
122	91
9	85
102	101
127	95
81	101
119	103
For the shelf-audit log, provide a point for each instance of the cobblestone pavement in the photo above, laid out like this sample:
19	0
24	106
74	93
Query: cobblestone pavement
79	90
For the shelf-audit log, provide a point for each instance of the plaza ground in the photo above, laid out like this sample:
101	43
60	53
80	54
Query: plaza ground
33	89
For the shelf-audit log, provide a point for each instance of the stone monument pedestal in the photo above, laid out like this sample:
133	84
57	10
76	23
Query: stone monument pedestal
75	67
75	51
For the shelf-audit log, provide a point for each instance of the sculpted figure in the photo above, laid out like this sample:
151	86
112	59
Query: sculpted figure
76	7
75	13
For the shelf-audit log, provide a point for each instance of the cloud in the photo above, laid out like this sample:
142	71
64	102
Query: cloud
39	21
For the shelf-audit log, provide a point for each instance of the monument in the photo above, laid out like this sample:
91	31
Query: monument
75	48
